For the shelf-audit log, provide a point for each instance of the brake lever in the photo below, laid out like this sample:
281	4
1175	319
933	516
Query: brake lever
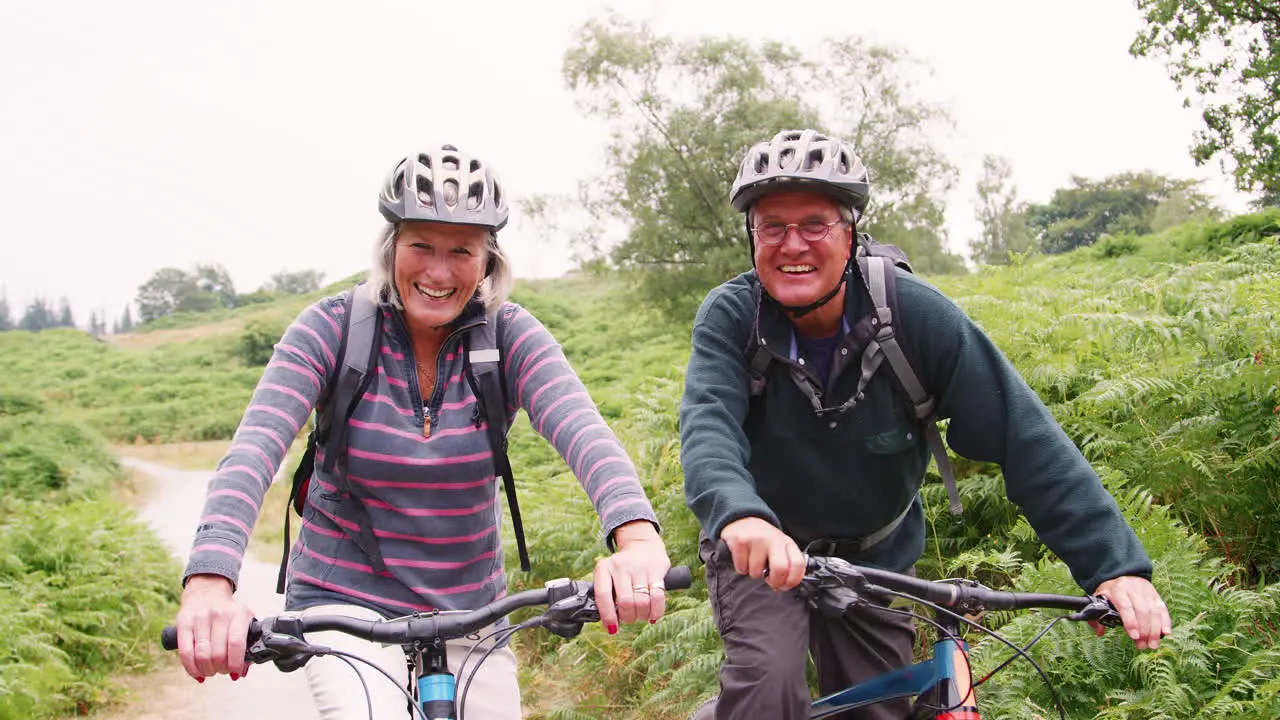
566	616
1100	610
285	648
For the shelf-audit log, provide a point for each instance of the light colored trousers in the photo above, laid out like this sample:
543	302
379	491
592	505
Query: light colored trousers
494	693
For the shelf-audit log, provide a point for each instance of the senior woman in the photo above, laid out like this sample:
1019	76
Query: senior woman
428	487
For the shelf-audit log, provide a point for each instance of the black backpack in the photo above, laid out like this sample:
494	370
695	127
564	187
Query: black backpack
355	362
877	334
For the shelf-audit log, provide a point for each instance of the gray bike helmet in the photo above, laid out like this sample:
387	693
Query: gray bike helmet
445	185
803	159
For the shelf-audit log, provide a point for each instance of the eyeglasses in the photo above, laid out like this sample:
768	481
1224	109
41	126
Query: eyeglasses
773	233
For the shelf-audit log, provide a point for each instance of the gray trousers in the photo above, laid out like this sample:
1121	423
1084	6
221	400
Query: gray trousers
767	634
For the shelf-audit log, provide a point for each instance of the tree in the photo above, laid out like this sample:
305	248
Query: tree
6	315
294	283
65	319
97	324
39	316
126	321
215	281
164	293
1268	199
1227	53
684	112
1003	218
1124	203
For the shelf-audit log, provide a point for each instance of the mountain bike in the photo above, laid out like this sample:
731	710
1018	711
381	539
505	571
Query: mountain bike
570	604
942	685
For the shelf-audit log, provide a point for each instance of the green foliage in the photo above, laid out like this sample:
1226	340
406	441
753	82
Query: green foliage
82	585
298	282
170	290
38	316
6	315
258	341
1225	54
1126	203
683	112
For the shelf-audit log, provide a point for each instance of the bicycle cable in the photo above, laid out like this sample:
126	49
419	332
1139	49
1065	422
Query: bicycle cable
1062	713
1025	648
508	633
348	657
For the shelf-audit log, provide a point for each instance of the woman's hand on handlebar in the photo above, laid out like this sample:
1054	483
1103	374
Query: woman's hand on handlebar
629	583
212	626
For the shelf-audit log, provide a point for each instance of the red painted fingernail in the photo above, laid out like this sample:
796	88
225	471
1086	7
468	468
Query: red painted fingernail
613	629
652	622
235	676
200	680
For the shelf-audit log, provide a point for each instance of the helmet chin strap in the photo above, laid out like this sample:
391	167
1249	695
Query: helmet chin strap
799	311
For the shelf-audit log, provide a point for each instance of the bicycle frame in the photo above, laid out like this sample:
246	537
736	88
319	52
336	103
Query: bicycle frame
944	678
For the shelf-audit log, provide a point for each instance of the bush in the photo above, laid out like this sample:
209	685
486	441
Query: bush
258	341
1111	246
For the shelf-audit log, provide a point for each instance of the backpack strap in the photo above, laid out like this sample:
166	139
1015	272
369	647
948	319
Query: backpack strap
878	272
361	333
482	364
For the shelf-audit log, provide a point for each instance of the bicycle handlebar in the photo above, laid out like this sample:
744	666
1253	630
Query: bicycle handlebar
826	573
570	604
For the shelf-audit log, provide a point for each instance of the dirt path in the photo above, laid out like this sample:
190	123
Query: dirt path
173	510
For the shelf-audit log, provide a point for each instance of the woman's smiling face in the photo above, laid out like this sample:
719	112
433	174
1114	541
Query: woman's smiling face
438	268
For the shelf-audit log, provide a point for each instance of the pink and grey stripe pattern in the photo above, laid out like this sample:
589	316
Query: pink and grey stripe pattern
434	503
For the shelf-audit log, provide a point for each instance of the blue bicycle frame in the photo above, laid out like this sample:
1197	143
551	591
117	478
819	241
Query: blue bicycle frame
947	672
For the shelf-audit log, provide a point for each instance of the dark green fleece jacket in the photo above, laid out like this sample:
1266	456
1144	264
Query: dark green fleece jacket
846	476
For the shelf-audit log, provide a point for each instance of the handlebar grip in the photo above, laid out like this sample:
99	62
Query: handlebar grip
169	638
678	578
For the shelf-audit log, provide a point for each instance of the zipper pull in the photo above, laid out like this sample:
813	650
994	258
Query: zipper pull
426	421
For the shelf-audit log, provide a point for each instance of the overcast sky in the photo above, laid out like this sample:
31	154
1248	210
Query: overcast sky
254	134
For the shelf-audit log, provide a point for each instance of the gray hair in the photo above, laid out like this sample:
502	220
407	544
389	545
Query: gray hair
494	289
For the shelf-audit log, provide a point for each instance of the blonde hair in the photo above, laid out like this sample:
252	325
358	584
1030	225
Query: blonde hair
494	289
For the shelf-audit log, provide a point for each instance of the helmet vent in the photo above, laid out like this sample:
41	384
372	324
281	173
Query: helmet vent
813	159
762	162
842	162
475	195
392	190
475	165
425	195
425	160
450	162
451	193
784	157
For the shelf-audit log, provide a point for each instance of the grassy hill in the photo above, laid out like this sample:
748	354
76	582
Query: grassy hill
1157	354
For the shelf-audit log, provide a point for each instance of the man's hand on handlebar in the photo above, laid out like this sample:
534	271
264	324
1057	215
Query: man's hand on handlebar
757	546
1145	616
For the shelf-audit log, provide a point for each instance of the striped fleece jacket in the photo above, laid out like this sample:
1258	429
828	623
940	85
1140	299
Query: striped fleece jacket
433	501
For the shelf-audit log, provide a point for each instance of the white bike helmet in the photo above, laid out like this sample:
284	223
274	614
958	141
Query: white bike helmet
803	159
445	185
